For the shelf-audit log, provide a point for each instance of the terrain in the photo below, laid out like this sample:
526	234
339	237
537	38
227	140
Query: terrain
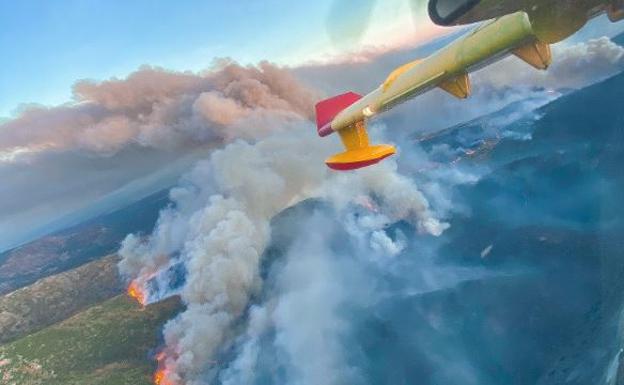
524	287
55	298
527	284
77	245
110	343
63	317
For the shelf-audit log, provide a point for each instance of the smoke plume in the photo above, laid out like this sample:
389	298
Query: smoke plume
120	130
574	66
218	224
162	109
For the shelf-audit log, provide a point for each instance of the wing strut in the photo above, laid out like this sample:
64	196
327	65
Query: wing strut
535	53
459	86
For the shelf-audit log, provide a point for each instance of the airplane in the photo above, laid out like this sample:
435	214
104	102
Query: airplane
524	28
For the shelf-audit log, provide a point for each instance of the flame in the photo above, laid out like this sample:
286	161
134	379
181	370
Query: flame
137	292
161	376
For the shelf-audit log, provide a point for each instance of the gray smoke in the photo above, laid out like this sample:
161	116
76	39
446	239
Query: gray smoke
120	130
153	107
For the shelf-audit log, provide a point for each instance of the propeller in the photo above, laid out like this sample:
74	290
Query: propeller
347	24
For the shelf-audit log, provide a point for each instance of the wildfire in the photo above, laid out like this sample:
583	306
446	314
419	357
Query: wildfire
161	376
136	291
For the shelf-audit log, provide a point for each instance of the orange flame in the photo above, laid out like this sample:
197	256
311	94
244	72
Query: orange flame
161	376
136	291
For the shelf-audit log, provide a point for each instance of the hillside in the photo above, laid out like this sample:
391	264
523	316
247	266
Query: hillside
57	297
110	344
77	245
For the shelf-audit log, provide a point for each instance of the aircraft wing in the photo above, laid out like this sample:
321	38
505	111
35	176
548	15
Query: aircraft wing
447	69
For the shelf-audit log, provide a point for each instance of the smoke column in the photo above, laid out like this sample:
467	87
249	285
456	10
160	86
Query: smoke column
218	224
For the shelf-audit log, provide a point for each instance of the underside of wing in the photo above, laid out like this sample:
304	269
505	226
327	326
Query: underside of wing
359	153
458	12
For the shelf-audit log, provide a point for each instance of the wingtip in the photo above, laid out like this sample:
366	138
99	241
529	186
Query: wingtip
347	162
325	130
355	165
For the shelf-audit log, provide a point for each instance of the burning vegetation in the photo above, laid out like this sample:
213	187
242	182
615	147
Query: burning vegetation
136	291
162	376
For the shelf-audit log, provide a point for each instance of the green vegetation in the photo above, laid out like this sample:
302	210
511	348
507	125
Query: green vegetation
107	344
55	298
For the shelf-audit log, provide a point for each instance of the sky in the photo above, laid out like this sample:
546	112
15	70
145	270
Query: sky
104	102
49	48
47	45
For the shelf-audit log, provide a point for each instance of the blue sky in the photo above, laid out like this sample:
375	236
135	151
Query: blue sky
47	45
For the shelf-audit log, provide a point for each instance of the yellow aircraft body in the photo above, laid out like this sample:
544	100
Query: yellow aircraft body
524	28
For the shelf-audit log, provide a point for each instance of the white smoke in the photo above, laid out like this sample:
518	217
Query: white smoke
304	313
306	316
219	226
303	331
